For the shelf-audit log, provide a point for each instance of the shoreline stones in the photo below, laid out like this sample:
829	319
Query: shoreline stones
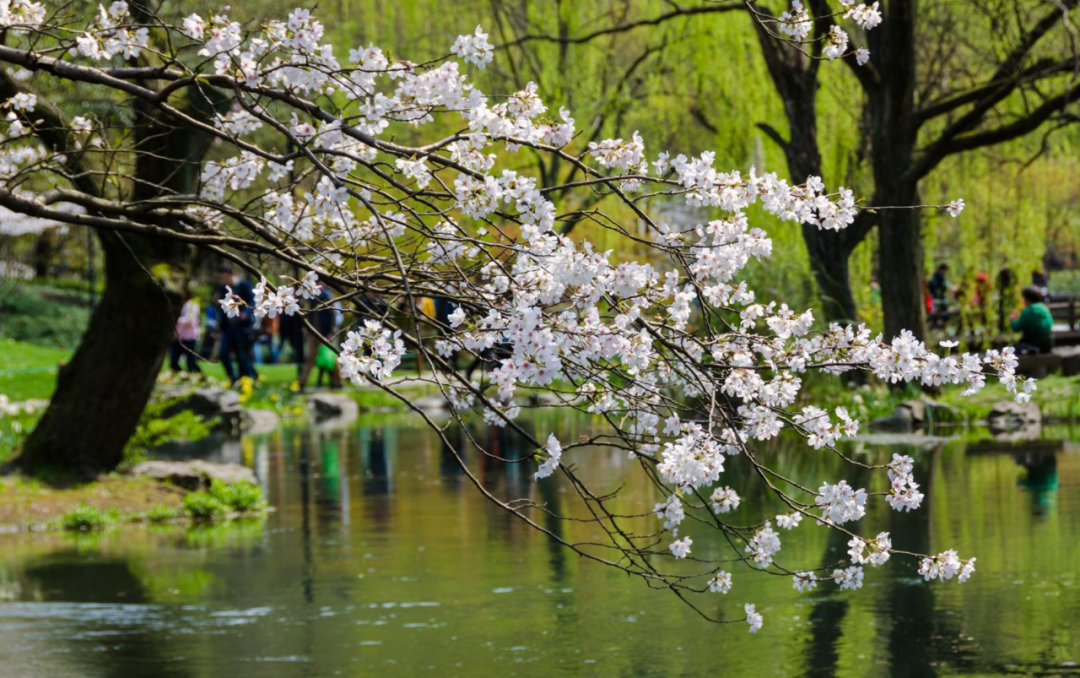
911	415
258	422
196	474
209	403
333	408
1007	416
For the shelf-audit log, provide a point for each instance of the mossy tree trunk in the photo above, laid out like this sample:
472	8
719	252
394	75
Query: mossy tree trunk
101	393
795	77
103	390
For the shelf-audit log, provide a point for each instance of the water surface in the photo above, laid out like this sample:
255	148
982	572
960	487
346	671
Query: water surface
381	559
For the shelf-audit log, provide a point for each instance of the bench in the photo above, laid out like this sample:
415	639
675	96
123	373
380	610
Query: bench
1064	358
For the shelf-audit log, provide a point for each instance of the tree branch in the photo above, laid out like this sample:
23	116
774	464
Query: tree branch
623	28
1018	128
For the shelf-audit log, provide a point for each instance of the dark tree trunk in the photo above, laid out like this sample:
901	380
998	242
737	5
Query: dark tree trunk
44	251
795	79
894	136
102	391
901	274
829	252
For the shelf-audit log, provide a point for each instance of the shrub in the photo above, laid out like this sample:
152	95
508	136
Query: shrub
45	317
154	429
161	514
240	497
204	506
84	519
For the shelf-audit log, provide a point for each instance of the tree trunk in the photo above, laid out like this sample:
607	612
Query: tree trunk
894	136
42	254
795	78
829	253
103	390
901	275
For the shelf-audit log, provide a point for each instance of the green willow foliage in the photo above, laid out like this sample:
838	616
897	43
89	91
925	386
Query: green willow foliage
699	83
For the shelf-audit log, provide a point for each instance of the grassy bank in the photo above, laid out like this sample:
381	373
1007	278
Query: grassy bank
1058	398
27	503
116	499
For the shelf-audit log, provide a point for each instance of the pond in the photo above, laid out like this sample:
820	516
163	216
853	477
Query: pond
382	559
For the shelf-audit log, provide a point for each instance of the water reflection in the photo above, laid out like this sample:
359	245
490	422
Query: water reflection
1041	481
382	558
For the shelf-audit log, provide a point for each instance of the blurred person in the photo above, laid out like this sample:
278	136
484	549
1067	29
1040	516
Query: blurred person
211	333
265	346
291	332
187	338
1035	323
939	288
980	300
1039	279
324	319
875	291
237	334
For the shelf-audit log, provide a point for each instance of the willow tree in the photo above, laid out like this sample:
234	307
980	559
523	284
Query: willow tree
936	80
927	94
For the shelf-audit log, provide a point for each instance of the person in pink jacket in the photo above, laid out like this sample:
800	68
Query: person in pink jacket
187	336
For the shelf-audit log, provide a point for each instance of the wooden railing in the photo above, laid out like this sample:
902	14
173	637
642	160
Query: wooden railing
1061	309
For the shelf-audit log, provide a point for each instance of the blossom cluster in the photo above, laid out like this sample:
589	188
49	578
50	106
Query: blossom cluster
945	566
372	350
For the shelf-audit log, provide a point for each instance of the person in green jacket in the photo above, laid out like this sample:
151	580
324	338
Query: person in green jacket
1034	323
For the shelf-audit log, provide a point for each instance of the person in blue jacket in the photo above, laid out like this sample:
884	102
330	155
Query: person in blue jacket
237	333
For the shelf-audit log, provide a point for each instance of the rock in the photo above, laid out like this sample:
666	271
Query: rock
901	420
193	475
258	422
210	403
1008	416
925	411
916	409
912	414
1070	359
540	399
432	403
1026	433
333	406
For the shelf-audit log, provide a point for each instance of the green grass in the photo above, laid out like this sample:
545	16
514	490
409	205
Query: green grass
1058	397
221	499
242	497
161	514
28	372
204	506
86	518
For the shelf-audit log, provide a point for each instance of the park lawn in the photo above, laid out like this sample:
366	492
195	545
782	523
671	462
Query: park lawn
28	372
269	375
